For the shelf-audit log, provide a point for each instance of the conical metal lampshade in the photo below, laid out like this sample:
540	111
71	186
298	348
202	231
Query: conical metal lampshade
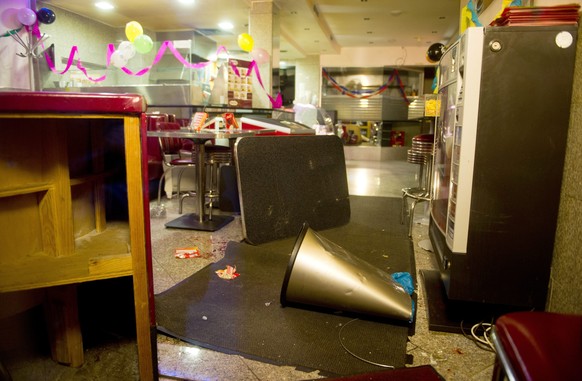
322	273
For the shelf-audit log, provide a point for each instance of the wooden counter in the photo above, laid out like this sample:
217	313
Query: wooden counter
72	207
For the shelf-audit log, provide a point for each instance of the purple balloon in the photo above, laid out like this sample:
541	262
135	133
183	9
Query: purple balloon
26	16
46	16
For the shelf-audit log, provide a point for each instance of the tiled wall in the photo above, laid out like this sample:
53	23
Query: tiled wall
566	290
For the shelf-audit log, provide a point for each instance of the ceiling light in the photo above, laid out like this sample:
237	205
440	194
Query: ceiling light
104	5
225	25
396	12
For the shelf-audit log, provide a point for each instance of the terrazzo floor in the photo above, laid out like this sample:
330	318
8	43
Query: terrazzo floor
454	356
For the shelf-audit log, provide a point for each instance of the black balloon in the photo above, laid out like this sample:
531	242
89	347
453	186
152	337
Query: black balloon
435	52
46	16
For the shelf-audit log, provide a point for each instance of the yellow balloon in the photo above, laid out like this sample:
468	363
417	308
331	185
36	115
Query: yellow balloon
132	30
245	41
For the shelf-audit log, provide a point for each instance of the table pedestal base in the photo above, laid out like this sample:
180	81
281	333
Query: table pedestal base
191	221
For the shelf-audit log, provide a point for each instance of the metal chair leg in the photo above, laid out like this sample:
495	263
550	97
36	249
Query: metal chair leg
404	207
179	180
411	217
187	194
182	197
162	180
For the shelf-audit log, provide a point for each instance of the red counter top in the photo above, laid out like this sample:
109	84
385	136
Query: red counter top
71	103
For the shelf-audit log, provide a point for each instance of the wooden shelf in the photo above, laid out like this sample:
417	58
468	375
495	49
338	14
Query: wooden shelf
97	256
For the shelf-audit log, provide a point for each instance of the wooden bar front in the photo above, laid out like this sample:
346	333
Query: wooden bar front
72	207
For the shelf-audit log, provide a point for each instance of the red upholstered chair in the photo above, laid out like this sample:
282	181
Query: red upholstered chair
171	147
535	346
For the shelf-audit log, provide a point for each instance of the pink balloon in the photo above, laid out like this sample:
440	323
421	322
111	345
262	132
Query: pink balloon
26	16
9	19
260	55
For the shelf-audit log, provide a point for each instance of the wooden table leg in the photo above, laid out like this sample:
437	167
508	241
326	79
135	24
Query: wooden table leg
64	329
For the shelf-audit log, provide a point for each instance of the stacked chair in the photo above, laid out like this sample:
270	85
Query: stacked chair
421	153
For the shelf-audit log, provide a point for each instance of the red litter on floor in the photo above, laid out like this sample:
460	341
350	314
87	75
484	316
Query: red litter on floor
228	273
187	252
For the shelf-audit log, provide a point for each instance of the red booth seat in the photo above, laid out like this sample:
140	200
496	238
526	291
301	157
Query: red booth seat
538	346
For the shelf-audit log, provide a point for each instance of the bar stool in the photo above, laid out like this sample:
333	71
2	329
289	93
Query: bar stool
216	157
192	154
421	153
533	346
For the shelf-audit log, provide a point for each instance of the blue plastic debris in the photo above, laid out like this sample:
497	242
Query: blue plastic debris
405	280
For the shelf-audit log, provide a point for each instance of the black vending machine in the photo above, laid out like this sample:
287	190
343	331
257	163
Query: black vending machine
500	141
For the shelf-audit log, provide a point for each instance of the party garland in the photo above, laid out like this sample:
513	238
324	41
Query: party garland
364	94
276	102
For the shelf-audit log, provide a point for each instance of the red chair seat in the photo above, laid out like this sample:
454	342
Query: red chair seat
541	345
181	161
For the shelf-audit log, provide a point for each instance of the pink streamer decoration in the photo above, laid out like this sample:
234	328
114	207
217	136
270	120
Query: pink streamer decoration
235	69
276	103
110	51
74	50
168	45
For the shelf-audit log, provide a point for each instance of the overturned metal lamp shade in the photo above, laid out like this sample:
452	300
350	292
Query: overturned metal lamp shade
322	273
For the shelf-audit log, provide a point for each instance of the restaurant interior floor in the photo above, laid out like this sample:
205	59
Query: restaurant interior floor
454	356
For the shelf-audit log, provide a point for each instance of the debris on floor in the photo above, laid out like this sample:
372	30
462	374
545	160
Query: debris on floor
187	252
228	273
158	211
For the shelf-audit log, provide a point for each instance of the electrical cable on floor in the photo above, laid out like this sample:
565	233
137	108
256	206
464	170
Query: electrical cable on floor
480	333
356	356
484	339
